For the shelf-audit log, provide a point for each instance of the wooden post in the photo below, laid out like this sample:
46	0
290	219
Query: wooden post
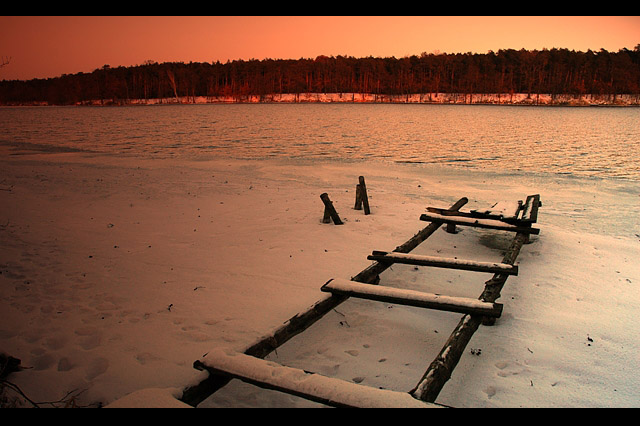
326	218
358	205
527	237
451	228
363	194
329	210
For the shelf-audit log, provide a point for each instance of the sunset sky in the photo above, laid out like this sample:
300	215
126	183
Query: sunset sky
42	47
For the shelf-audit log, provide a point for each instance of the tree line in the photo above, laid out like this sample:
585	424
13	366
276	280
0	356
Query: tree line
548	71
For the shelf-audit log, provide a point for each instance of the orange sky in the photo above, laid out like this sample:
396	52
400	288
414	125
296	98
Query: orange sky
41	47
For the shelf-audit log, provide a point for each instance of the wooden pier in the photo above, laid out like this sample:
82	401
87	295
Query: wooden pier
251	367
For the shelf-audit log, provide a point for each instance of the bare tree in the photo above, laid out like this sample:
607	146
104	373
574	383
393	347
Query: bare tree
172	80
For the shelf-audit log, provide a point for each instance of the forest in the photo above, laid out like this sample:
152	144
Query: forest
548	71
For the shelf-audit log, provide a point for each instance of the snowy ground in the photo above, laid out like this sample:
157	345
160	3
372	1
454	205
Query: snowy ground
117	274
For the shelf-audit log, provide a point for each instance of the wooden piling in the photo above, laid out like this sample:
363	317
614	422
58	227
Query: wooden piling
329	210
363	195
358	205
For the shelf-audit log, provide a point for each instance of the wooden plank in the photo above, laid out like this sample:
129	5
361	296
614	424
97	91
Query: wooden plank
479	223
195	394
315	387
443	262
446	212
529	212
419	299
472	214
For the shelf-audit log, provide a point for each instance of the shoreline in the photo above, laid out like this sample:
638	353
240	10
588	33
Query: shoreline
499	99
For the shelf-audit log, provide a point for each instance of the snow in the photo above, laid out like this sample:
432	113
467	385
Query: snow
118	273
377	291
151	398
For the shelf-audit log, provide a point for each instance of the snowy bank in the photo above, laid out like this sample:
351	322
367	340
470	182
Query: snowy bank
418	98
118	273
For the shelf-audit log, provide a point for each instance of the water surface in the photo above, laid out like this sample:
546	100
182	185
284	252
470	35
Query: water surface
580	141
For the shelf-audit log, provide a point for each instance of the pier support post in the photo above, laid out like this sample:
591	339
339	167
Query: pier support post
329	211
361	197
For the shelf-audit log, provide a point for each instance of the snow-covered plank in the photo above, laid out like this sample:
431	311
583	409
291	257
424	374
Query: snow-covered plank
407	297
529	211
479	223
315	387
443	262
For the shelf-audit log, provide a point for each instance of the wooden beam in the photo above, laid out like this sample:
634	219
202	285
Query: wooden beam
442	262
418	299
447	212
193	395
479	223
471	214
314	387
530	209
